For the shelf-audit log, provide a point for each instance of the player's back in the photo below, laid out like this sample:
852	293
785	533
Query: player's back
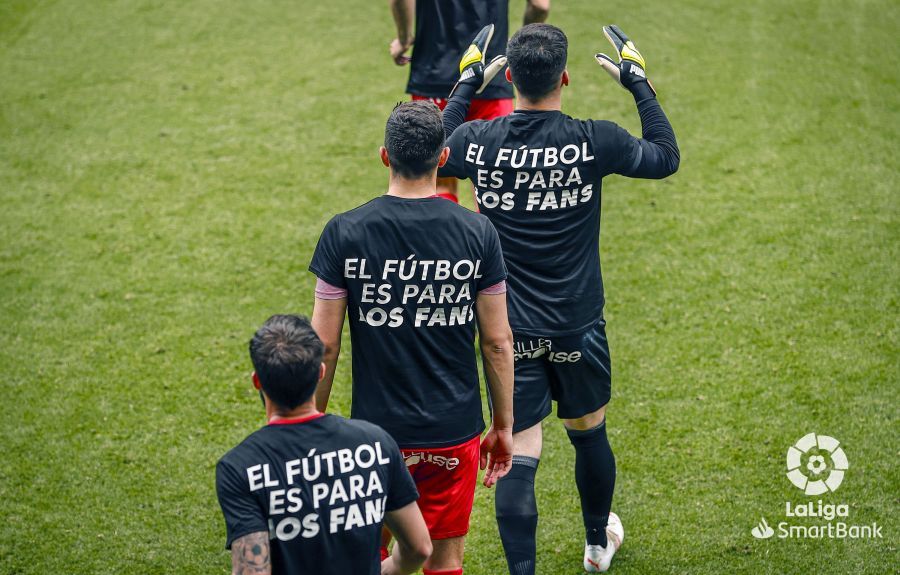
444	28
538	177
412	269
320	487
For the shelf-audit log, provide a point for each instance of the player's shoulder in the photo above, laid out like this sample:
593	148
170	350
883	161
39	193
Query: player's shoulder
362	429
467	217
603	125
235	457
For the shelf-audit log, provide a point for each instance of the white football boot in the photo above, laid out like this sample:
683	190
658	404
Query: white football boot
596	557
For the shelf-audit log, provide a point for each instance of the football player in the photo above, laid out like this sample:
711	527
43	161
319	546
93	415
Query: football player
441	30
308	493
414	274
537	174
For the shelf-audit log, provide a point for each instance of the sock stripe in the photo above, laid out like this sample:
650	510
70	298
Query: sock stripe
526	461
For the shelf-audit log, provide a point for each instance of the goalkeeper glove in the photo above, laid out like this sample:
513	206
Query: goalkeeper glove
472	71
630	72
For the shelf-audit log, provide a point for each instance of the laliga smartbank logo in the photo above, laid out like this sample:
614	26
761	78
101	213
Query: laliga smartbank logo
816	464
817	476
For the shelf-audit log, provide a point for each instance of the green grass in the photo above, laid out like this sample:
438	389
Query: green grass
166	168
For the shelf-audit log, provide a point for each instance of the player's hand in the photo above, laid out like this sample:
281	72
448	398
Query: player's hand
472	69
630	71
398	51
496	454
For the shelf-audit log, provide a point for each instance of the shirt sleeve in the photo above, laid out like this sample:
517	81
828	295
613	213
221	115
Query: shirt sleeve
325	290
495	289
653	156
402	490
327	262
620	152
242	512
457	142
493	267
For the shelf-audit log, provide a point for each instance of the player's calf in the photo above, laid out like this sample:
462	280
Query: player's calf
516	506
595	472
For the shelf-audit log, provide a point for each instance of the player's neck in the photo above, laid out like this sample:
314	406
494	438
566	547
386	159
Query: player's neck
277	413
412	189
552	102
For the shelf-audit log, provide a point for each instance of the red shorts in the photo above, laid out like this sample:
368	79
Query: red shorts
445	478
480	109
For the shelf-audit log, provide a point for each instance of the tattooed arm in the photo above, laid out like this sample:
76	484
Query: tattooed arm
250	555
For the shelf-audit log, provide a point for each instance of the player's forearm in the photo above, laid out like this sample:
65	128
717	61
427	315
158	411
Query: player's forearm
660	156
457	108
536	11
403	560
330	359
404	13
498	363
250	555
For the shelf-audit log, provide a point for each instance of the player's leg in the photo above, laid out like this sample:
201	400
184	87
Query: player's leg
581	386
446	557
515	503
446	479
595	472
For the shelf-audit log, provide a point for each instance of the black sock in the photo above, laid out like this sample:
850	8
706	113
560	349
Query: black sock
595	475
517	515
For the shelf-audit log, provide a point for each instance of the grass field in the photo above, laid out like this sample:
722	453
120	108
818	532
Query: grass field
166	168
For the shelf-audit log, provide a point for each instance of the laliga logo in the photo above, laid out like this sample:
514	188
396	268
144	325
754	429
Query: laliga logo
812	477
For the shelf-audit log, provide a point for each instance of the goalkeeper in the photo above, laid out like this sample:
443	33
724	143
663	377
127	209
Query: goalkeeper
537	176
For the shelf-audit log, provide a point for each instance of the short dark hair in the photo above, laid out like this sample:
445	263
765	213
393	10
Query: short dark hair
414	138
537	56
286	354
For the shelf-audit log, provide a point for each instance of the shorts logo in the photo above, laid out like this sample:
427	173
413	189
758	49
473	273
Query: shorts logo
808	461
416	457
541	347
532	349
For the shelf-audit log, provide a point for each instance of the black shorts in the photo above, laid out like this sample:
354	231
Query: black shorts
572	370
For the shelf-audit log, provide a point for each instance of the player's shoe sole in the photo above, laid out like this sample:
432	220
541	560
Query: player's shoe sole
596	557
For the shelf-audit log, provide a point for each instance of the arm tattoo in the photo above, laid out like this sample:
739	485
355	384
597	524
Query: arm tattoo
250	555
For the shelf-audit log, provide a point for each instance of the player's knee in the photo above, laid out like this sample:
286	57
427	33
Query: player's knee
588	421
529	442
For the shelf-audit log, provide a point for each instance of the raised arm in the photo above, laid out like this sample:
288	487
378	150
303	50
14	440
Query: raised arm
497	353
404	13
656	155
250	555
328	321
474	76
413	545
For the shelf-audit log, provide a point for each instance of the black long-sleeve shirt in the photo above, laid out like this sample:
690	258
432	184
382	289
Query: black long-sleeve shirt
538	176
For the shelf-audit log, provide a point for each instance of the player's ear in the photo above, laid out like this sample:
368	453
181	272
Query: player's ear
256	382
442	159
321	371
508	75
384	157
565	78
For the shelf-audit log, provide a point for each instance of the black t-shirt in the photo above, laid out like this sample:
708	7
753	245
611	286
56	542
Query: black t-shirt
320	487
537	177
412	269
444	30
